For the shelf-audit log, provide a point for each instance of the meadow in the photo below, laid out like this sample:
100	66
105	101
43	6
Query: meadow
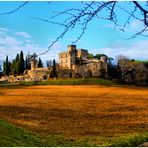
74	115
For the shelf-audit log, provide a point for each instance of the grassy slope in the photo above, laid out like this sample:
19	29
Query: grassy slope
11	135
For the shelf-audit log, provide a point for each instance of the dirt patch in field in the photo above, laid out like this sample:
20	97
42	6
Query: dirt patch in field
76	110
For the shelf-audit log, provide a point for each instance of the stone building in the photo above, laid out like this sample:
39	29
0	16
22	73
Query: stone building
69	58
38	74
72	63
75	63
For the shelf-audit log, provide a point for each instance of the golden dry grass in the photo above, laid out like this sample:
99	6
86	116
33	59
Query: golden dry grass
77	110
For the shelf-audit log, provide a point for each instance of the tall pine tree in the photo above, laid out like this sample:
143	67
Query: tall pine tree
40	63
7	66
22	67
17	64
53	73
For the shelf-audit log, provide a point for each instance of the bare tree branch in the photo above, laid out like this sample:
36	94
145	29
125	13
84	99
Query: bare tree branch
13	11
145	12
44	20
107	10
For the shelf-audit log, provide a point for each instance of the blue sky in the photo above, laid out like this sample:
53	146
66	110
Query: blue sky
19	31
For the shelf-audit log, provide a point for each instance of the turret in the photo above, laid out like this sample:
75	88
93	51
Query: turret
72	55
71	47
34	64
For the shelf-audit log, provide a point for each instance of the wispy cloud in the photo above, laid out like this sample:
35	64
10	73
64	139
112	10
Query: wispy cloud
138	50
3	29
12	44
23	34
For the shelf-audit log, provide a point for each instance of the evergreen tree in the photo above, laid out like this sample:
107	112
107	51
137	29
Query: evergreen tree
13	67
17	57
22	62
4	68
34	56
7	66
17	64
90	56
98	56
18	67
27	61
47	63
53	73
40	64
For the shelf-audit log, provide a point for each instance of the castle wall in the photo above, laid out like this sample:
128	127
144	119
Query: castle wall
38	74
65	73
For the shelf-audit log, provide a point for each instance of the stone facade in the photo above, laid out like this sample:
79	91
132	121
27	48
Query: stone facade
69	58
77	61
39	74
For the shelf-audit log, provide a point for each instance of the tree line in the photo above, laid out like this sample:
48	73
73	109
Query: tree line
18	65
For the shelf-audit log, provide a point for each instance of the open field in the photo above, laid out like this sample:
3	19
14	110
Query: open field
91	113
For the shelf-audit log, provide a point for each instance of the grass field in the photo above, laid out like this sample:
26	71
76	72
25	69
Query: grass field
78	115
72	81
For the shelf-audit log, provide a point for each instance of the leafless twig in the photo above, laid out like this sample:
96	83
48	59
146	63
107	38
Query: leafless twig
15	10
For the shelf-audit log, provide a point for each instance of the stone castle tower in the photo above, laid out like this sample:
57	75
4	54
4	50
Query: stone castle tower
72	52
34	64
68	58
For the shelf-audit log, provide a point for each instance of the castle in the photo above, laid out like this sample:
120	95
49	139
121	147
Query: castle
73	63
77	64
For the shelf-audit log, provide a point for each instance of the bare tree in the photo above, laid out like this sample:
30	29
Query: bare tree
107	10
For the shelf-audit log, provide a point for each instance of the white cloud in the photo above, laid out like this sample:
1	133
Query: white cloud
11	45
3	29
135	26
138	50
28	41
23	34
